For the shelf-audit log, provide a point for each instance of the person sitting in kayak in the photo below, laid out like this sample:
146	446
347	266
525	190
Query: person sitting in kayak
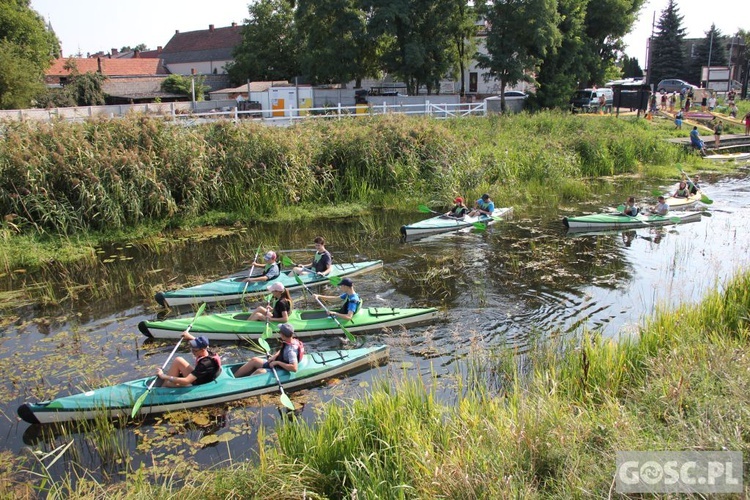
270	268
322	261
483	206
286	358
349	296
183	374
693	185
682	190
459	209
630	209
661	207
278	308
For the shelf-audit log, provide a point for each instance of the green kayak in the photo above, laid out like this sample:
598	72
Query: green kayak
117	400
621	221
307	323
231	289
445	224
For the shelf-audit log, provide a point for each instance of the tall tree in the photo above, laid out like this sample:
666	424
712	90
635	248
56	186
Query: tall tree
607	21
520	33
561	71
666	46
268	50
417	40
709	51
27	49
335	45
630	67
464	30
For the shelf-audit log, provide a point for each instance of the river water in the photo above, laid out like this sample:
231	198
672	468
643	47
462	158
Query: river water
522	280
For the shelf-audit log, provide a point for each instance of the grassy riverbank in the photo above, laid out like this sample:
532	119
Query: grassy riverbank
68	187
543	426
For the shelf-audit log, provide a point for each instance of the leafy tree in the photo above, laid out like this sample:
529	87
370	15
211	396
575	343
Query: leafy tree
464	30
666	48
520	33
607	21
180	84
711	50
418	41
268	50
630	67
86	89
141	47
335	45
561	71
27	48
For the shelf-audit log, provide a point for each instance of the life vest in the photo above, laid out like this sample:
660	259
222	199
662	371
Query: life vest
300	349
344	309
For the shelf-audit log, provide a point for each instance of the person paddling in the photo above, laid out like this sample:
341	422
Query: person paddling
182	374
483	206
278	308
270	267
286	358
459	209
349	296
630	209
661	207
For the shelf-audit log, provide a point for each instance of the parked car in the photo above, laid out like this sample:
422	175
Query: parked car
674	85
588	99
515	93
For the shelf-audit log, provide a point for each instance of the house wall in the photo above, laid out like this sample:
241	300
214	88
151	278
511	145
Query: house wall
201	67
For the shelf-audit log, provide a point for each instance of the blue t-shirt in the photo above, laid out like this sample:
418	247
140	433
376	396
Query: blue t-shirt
489	206
351	304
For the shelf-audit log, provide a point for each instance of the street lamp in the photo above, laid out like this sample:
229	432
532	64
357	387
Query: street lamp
192	85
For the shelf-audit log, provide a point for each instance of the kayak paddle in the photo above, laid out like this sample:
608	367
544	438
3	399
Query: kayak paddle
704	199
252	268
427	210
142	398
328	312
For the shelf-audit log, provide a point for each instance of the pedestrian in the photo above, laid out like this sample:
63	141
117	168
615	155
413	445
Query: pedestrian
718	129
704	100
672	101
712	102
747	123
682	97
678	119
696	141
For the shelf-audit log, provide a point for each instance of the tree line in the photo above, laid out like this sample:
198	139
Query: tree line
669	56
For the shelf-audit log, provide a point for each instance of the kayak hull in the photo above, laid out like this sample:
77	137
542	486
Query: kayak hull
676	203
117	400
307	323
445	224
728	157
232	289
606	221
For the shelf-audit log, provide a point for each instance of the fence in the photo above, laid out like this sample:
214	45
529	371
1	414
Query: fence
207	111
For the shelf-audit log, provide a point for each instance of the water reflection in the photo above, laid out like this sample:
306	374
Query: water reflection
520	280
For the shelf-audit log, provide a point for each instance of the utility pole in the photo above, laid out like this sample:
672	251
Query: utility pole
650	51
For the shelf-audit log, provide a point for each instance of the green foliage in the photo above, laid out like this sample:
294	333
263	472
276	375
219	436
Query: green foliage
26	49
666	52
630	67
520	34
419	34
269	47
180	84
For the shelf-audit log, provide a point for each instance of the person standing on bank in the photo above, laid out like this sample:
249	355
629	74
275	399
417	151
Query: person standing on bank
183	374
270	267
351	300
718	129
322	261
483	206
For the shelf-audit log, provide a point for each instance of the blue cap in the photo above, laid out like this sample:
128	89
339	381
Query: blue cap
199	342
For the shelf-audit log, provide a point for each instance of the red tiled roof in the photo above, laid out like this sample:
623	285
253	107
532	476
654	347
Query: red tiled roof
109	67
210	39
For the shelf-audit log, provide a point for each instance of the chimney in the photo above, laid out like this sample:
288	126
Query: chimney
136	54
159	49
210	27
234	25
176	32
115	52
99	64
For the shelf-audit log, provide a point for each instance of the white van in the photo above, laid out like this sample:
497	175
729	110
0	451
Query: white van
587	100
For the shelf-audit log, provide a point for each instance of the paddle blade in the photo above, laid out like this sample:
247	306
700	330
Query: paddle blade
656	192
262	342
424	209
335	280
138	403
267	331
348	334
479	226
287	262
285	399
298	280
676	220
706	200
620	208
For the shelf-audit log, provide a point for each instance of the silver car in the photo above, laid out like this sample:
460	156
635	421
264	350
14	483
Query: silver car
674	85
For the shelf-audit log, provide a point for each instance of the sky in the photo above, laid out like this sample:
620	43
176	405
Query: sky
88	26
